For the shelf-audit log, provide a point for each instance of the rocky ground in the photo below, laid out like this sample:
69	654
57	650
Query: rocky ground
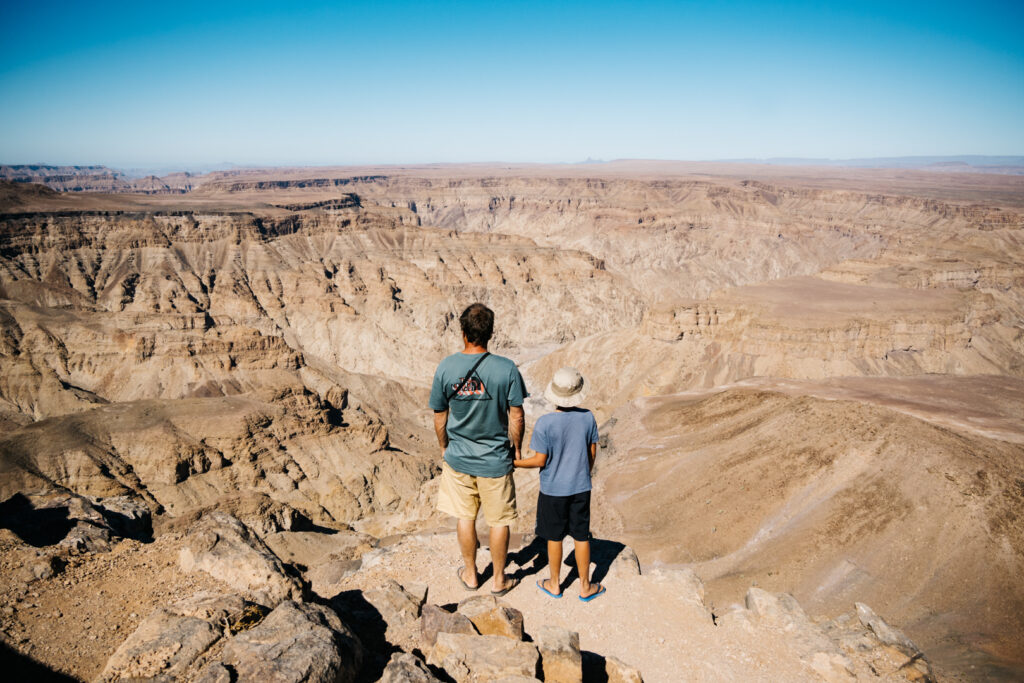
217	602
72	618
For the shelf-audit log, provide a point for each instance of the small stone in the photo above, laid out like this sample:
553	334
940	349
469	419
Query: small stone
418	591
407	668
492	617
620	672
435	620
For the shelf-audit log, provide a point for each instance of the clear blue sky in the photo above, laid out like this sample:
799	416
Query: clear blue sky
321	83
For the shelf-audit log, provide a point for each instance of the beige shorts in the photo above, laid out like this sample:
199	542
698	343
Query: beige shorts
462	495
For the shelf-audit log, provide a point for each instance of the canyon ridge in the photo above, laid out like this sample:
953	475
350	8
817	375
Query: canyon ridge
217	461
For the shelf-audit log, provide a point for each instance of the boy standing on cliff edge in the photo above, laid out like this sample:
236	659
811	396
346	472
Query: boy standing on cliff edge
565	445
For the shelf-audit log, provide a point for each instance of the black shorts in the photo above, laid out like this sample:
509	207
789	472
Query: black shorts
561	515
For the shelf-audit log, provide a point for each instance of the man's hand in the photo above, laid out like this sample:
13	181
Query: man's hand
441	429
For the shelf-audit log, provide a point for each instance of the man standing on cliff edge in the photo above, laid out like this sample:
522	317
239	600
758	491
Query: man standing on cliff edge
477	399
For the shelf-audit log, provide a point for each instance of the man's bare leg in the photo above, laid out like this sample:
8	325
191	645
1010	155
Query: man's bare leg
554	584
583	567
499	552
466	531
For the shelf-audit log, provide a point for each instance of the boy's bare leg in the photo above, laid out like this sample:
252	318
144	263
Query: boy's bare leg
466	532
499	551
554	584
583	567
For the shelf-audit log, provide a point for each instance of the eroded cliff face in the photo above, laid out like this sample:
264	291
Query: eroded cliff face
672	238
264	346
257	326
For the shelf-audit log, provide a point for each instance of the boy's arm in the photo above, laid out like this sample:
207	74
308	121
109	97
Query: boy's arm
538	460
592	455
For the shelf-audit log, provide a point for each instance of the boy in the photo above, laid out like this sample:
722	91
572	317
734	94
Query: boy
565	445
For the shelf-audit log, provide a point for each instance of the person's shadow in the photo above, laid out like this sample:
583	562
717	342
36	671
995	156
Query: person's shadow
532	559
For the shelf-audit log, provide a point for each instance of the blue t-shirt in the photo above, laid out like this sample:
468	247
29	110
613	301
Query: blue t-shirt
565	437
478	442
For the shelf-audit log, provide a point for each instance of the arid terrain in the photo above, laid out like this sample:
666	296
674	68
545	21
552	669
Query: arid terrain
214	434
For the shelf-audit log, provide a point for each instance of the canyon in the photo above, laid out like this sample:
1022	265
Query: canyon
807	380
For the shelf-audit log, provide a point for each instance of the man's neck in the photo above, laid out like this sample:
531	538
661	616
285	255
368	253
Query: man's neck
471	349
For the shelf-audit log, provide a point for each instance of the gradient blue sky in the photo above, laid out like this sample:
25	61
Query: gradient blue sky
139	83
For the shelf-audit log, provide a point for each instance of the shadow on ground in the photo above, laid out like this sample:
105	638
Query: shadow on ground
532	559
18	667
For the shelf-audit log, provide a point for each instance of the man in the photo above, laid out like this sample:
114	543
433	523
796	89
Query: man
477	399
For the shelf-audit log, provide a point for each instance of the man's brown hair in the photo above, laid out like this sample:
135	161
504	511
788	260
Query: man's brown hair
477	323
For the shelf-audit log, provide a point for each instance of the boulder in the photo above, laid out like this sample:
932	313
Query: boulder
313	548
434	620
127	516
625	564
325	579
560	657
813	646
226	549
492	617
482	658
295	642
620	672
169	640
418	591
406	668
397	607
162	647
884	632
916	666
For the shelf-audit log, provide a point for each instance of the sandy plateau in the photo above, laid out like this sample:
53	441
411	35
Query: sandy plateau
217	463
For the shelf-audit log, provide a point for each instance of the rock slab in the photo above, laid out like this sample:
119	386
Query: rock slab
228	550
468	659
560	657
295	643
406	668
492	617
435	620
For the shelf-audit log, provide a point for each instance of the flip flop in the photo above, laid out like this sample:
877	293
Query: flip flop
540	585
511	583
591	597
458	573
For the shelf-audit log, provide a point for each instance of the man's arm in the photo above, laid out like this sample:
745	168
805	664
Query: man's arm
592	454
441	428
516	426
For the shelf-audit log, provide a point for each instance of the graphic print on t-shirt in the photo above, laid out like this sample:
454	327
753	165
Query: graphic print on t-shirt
473	389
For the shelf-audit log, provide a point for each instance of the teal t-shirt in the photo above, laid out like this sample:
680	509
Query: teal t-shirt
478	442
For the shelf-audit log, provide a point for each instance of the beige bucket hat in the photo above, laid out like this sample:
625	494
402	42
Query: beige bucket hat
566	389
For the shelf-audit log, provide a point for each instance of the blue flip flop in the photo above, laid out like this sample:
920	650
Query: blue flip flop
591	597
540	585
